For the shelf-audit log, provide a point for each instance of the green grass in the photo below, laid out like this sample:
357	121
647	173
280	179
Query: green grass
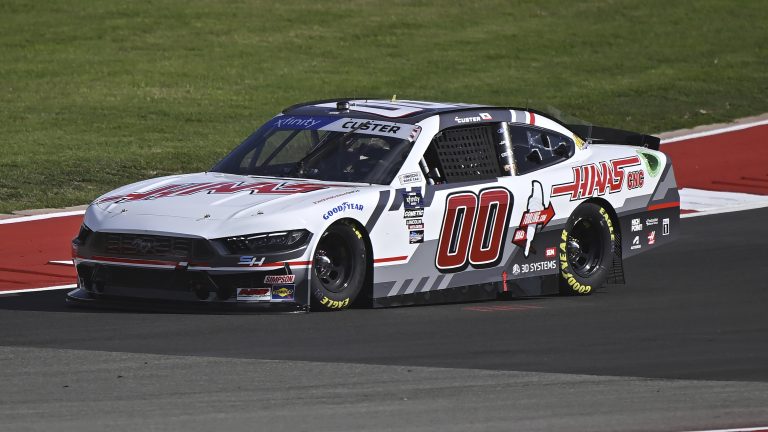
94	94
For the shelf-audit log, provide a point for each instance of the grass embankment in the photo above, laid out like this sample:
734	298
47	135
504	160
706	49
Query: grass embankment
94	94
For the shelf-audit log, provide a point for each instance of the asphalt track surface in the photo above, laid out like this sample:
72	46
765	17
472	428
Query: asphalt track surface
682	346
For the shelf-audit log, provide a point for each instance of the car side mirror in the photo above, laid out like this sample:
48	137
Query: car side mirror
534	156
561	150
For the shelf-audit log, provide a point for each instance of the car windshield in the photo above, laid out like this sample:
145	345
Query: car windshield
323	148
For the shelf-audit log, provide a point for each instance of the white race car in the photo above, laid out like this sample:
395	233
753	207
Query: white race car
388	203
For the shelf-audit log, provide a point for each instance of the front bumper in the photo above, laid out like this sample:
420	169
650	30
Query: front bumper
82	298
102	284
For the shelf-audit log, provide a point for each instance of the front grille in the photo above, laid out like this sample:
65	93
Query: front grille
119	244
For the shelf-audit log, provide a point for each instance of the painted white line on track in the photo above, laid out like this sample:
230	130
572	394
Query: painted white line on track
726	210
701	200
715	131
755	429
25	290
42	217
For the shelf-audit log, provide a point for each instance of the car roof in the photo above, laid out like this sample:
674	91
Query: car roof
403	111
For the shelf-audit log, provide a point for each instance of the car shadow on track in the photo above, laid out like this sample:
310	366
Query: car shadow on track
45	301
55	301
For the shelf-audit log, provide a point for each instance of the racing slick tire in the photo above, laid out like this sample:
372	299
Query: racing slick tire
585	252
338	267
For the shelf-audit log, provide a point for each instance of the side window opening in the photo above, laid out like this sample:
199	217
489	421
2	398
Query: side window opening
534	148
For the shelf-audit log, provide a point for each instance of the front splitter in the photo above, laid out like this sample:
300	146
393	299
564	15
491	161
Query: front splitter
82	298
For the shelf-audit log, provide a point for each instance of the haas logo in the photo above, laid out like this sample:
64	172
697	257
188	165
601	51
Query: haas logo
597	179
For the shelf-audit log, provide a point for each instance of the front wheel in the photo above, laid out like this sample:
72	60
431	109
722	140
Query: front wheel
338	267
586	250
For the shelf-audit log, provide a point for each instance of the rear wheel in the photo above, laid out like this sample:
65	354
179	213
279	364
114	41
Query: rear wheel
586	250
338	267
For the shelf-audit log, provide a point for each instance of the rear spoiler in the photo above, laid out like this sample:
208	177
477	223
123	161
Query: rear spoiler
604	135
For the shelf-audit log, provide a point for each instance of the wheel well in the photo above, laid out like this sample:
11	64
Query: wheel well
365	297
616	272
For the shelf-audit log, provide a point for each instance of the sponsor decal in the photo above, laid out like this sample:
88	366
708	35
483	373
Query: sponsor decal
341	208
251	261
414	213
535	267
371	126
536	217
551	252
279	279
472	119
414	224
335	196
635	179
408	178
516	269
301	122
636	243
637	225
283	292
186	189
665	226
254	294
651	162
652	237
416	236
413	200
651	221
596	179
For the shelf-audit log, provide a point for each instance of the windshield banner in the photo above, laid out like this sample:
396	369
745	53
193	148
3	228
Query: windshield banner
369	127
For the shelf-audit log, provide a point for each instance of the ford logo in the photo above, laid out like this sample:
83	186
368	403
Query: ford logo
143	245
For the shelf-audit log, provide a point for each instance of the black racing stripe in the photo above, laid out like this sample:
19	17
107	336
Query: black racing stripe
398	201
383	198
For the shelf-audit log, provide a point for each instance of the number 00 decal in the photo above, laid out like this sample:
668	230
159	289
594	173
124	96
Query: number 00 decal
474	228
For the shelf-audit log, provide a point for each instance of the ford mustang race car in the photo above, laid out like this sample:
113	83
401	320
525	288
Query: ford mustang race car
341	202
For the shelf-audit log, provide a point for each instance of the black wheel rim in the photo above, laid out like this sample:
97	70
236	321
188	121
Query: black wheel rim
583	248
332	263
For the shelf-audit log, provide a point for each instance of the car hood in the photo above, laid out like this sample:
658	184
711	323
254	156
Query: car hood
209	198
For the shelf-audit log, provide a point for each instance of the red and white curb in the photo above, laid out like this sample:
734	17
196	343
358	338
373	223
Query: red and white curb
27	290
701	202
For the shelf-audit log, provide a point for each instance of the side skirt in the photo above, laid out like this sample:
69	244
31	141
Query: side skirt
529	287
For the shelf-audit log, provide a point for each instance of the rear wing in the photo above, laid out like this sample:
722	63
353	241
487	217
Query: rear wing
604	135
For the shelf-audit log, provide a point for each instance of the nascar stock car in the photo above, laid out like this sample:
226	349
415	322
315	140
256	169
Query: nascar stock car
337	202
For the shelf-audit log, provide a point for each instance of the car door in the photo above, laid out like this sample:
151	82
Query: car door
463	168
